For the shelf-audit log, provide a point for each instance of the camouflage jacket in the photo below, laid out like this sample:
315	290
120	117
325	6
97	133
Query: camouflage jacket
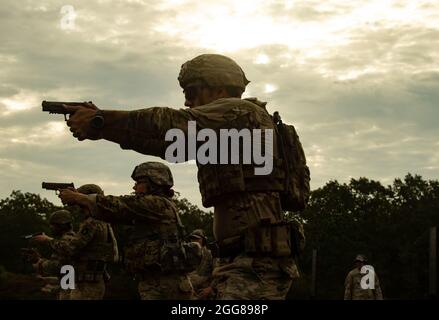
94	241
205	268
52	266
353	290
154	219
152	210
144	131
200	277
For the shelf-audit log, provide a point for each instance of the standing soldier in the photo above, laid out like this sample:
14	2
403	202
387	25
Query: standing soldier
247	206
200	278
353	289
153	253
61	227
90	249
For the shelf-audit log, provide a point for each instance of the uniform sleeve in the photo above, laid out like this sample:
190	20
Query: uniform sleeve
128	209
144	130
208	264
348	287
49	267
72	245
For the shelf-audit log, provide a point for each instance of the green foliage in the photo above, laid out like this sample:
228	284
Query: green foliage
388	224
193	217
20	214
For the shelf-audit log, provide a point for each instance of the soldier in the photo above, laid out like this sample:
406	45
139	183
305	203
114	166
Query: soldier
246	205
200	278
353	289
61	226
89	250
151	254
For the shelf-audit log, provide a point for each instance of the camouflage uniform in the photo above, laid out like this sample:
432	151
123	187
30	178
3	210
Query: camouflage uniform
201	277
353	290
50	268
240	198
154	221
89	250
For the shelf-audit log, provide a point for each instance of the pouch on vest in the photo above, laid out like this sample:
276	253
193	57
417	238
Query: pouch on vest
179	256
297	239
257	239
296	191
142	255
281	239
273	239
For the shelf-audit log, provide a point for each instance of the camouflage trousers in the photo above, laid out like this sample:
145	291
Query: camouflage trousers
84	291
165	287
254	278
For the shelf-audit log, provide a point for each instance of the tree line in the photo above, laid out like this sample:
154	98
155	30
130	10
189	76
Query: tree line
389	224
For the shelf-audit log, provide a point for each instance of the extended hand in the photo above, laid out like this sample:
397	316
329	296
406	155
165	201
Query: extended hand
41	238
72	197
80	121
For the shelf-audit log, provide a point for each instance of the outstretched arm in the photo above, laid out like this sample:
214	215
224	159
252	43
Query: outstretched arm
141	130
72	245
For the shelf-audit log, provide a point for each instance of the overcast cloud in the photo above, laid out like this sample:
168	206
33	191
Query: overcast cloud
359	79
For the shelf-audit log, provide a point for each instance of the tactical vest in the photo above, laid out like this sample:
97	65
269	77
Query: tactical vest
218	180
160	247
144	247
101	248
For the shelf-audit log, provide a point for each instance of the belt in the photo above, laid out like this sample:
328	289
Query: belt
234	246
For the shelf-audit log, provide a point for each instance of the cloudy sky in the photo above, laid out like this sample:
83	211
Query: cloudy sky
358	78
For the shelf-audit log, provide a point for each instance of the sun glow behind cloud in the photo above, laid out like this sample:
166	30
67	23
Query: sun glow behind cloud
358	79
312	30
228	26
19	102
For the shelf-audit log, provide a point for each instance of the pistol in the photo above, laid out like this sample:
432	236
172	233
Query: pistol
30	236
56	107
57	186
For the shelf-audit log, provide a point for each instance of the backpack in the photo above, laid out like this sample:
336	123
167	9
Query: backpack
295	195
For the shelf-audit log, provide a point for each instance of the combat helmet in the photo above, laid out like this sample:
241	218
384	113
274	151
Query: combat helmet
361	258
215	70
156	172
60	217
198	234
90	189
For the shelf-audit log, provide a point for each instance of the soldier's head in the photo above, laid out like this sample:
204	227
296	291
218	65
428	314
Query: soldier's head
153	178
360	260
209	77
90	189
198	236
60	222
